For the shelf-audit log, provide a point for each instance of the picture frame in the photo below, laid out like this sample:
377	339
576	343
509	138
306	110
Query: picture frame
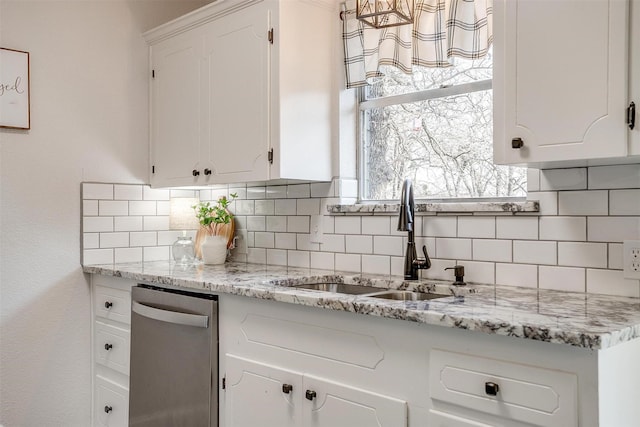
15	91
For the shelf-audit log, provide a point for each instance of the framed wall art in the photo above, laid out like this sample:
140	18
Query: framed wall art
14	89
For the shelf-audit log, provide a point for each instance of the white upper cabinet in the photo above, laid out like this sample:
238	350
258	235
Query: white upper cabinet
561	86
242	92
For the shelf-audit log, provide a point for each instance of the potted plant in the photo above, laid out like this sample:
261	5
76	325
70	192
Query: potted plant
215	220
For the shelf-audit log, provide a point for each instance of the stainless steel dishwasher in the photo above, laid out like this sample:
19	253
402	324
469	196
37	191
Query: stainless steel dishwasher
174	358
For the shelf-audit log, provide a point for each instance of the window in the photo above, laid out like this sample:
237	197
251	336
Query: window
435	127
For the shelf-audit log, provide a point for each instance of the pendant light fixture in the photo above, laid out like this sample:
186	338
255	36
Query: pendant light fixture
385	13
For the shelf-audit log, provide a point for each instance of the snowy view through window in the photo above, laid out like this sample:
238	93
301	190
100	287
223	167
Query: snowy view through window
442	143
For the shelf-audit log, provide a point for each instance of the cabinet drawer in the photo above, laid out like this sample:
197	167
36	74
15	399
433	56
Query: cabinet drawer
112	347
524	393
113	304
111	404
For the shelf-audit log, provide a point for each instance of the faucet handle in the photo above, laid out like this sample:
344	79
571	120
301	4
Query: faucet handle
427	260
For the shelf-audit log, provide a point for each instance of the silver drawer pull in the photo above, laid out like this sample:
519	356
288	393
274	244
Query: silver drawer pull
168	316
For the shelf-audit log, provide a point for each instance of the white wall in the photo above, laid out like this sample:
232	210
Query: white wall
89	122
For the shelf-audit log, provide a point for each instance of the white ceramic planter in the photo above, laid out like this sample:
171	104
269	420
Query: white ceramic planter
214	250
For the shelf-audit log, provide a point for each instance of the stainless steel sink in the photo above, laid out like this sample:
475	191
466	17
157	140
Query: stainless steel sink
407	295
341	288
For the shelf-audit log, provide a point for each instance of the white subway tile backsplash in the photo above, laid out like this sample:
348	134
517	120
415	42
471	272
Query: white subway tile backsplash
548	202
562	278
243	207
611	282
445	226
298	224
114	240
276	257
276	192
389	245
97	191
478	227
517	275
257	255
533	180
582	254
348	262
376	264
149	193
90	240
616	258
97	256
610	177
127	192
322	189
563	228
333	243
308	207
128	255
535	252
277	224
303	243
492	250
376	225
155	223
563	179
265	207
523	228
347	225
96	224
613	229
156	253
163	207
298	259
179	192
285	240
127	223
578	240
357	244
322	260
285	207
624	202
89	208
595	202
453	248
113	208
142	208
256	193
256	223
478	272
300	191
143	238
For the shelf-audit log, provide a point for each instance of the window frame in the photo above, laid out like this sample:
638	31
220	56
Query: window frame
364	104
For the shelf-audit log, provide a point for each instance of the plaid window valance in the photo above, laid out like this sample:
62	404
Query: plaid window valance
442	29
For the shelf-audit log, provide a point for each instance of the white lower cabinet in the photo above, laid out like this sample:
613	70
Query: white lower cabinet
111	403
110	341
280	397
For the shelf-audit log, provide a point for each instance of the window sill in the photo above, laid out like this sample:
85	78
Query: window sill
439	207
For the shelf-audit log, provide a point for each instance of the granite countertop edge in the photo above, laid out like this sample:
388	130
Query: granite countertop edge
587	321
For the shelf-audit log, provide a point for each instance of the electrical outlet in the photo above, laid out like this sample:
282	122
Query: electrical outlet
241	241
631	249
316	229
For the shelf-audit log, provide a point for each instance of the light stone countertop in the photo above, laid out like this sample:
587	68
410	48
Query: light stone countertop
582	320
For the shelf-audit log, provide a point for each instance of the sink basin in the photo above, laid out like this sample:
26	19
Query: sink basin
407	295
341	288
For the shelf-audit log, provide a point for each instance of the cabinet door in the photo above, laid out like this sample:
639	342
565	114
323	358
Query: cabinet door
560	80
176	109
238	65
255	395
338	405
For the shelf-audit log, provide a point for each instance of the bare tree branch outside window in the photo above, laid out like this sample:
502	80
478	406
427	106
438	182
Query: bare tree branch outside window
445	144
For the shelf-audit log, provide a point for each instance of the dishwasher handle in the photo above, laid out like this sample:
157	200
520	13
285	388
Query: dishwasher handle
169	316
